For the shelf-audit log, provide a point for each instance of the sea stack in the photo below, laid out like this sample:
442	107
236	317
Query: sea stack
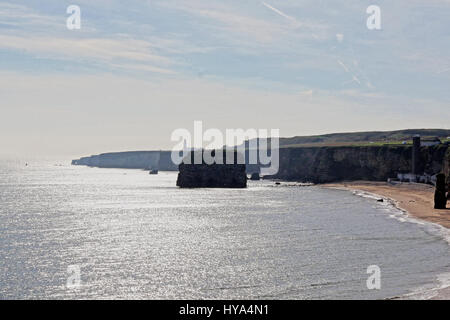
255	176
194	172
440	199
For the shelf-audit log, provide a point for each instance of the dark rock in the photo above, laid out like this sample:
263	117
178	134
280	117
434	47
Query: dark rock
446	167
440	199
214	175
255	176
340	163
415	161
380	200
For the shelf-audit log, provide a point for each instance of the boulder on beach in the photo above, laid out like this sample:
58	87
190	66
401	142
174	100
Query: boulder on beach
440	198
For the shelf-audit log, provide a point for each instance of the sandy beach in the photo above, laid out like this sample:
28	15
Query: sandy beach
416	199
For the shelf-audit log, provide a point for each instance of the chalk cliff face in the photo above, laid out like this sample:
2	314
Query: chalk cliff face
160	160
329	164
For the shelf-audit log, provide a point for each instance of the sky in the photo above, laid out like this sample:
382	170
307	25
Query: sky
138	70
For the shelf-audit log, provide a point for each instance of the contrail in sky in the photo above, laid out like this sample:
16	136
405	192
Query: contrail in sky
278	11
343	66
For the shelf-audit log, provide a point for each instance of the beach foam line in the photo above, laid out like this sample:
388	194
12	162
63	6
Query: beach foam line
403	215
442	281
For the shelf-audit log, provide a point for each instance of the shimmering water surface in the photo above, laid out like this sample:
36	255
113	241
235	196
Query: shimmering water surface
137	236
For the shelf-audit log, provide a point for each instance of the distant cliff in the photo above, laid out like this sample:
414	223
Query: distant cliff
329	164
307	164
160	160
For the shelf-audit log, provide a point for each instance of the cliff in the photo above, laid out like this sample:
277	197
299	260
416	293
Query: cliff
160	160
307	164
446	166
329	164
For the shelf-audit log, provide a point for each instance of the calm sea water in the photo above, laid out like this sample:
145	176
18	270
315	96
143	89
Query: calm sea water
136	236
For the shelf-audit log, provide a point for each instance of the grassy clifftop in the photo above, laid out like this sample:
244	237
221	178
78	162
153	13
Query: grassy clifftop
363	138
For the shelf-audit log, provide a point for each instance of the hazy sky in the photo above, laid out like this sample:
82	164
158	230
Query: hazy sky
137	70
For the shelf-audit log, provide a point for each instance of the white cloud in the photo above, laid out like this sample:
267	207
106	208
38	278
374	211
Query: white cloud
111	51
229	19
339	37
90	114
19	15
290	64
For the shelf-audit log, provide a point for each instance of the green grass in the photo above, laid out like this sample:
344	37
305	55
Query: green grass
351	144
375	138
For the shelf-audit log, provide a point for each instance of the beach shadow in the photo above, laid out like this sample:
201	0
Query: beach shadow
446	209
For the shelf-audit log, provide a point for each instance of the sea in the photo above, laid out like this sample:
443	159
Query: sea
74	232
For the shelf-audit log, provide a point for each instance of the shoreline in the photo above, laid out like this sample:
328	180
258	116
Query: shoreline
416	200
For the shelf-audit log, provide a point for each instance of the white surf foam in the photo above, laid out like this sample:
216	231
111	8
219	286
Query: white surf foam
442	281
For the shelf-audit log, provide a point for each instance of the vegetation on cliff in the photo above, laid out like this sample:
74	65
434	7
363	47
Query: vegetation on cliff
363	138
